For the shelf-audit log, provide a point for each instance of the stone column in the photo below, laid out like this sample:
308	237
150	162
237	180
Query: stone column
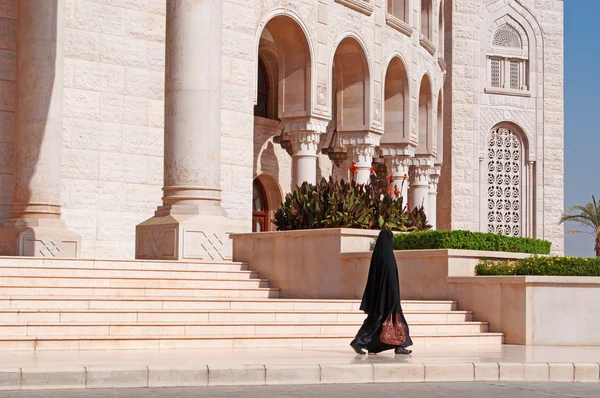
419	187
304	134
191	223
398	160
361	148
434	179
35	228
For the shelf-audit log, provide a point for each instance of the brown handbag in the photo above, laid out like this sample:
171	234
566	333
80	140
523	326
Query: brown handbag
393	331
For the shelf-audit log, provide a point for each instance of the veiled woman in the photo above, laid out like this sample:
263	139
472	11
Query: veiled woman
381	298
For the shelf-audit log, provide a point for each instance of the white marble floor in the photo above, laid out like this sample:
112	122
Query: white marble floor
126	358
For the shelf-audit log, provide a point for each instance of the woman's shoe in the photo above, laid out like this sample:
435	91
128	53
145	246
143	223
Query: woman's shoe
402	351
357	348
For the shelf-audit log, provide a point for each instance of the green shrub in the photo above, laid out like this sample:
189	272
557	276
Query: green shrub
547	266
335	204
467	240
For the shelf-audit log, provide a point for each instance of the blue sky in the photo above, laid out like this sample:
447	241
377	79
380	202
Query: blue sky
582	113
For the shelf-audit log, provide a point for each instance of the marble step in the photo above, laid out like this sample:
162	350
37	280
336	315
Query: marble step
143	330
229	341
7	281
96	316
29	262
140	303
125	273
123	292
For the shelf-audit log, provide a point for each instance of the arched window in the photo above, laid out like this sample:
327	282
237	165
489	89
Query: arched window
260	211
398	9
508	60
505	182
426	11
261	107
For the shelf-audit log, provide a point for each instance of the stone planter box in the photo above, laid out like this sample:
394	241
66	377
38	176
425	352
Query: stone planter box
307	263
534	310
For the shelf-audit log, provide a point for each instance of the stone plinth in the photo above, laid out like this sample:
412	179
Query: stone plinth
38	237
306	263
186	237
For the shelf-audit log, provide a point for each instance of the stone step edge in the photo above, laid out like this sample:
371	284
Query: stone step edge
25	261
350	336
92	377
225	323
216	311
209	299
131	278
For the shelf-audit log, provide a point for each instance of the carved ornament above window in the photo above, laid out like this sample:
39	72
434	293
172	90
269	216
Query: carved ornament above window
506	36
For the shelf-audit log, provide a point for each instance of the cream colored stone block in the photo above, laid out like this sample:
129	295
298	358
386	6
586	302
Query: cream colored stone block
118	167
111	377
346	373
487	371
398	372
177	376
143	25
564	372
228	375
99	18
144	83
511	371
53	378
123	51
292	374
10	379
449	372
81	104
143	140
81	44
536	372
587	372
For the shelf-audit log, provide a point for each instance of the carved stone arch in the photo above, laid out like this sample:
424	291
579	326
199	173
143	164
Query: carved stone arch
521	121
397	95
507	36
298	31
425	120
353	46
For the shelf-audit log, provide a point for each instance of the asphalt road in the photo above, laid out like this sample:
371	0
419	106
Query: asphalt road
430	390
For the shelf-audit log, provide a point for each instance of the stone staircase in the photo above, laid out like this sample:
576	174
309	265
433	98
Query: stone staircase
54	304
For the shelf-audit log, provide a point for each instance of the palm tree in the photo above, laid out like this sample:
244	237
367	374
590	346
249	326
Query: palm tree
589	216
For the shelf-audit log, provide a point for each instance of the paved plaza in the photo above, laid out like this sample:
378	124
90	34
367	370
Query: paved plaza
432	390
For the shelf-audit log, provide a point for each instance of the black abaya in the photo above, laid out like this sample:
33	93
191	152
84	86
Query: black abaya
381	296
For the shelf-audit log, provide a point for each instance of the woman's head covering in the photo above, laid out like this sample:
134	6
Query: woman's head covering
382	293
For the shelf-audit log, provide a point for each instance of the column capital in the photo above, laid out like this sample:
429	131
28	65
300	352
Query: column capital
313	124
434	178
419	175
304	142
360	137
397	150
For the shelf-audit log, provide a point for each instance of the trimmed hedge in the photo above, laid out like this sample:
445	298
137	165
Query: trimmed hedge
467	240
546	266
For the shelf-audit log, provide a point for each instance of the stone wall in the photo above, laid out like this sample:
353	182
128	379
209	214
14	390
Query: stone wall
8	72
471	113
113	106
113	121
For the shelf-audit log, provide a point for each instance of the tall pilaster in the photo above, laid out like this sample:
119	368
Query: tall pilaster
304	134
191	223
35	228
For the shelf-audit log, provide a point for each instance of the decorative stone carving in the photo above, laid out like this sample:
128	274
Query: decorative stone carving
506	36
525	119
399	25
321	95
377	112
504	179
363	6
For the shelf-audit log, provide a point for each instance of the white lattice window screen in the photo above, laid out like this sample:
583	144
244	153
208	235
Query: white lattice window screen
505	175
495	72
514	75
507	73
